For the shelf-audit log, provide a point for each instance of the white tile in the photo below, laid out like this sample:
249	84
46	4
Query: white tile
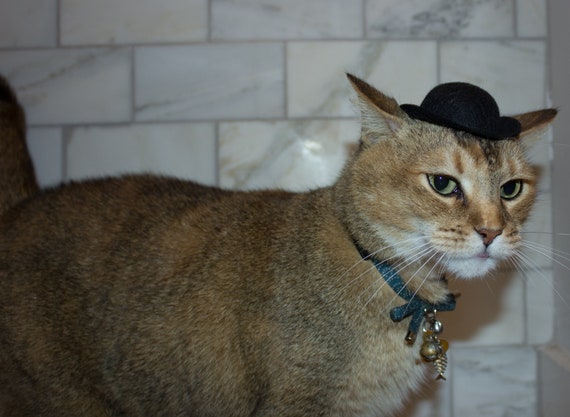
210	81
514	72
540	300
317	85
71	85
562	302
561	236
292	19
28	23
289	155
554	377
133	21
531	18
490	311
491	382
537	235
46	148
442	19
183	150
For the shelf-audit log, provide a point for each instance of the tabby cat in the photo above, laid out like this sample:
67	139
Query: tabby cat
152	296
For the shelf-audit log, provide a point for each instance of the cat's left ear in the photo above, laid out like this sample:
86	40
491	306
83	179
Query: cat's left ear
534	124
381	116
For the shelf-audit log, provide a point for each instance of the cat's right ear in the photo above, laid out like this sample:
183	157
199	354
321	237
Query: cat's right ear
534	124
380	115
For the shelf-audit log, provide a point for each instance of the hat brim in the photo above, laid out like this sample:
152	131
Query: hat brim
505	127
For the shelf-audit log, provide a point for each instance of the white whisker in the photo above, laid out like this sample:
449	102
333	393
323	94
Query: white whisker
548	253
538	232
404	264
370	256
429	272
524	263
397	269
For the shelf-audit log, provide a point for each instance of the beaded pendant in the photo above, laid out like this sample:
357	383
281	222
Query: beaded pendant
434	349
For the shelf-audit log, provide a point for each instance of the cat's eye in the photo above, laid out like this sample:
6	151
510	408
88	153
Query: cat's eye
444	185
511	189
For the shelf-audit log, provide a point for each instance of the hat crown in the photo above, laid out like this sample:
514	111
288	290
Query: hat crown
466	107
463	103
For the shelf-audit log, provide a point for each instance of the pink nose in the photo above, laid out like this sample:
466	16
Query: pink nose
488	235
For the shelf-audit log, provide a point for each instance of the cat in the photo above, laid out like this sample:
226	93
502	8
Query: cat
152	296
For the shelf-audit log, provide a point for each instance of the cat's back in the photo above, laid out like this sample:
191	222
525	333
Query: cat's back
119	274
97	207
129	192
137	214
102	230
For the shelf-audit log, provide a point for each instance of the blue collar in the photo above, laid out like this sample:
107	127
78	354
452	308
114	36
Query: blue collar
416	307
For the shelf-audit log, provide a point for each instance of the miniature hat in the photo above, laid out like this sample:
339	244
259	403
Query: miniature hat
465	107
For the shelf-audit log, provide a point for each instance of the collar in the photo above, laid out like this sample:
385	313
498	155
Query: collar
415	306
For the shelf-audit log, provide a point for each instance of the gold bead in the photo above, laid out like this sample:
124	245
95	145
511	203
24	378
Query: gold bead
430	351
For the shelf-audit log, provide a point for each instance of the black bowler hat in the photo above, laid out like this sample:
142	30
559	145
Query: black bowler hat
465	107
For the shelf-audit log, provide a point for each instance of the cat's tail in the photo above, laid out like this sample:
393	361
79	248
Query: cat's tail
17	176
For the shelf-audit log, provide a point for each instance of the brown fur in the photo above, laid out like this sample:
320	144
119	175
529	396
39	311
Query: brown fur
151	296
17	177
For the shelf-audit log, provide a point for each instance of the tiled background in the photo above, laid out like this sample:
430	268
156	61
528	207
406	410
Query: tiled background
252	93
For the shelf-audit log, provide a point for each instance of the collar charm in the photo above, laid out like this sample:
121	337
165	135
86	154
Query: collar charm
433	349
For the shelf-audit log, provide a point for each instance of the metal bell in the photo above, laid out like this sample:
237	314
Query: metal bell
437	327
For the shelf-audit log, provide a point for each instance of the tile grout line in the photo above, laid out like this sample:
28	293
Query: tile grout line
286	80
58	24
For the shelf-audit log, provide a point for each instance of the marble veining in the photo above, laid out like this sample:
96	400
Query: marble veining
209	81
185	150
71	85
493	382
296	156
440	18
318	86
122	21
510	68
291	19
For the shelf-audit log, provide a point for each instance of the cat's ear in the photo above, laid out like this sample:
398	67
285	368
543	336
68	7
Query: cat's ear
534	124
381	116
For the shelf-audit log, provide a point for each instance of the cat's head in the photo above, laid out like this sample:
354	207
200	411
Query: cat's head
433	196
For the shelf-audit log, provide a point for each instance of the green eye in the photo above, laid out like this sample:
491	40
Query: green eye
444	185
511	189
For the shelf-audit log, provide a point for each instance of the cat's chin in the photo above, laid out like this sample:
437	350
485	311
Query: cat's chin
473	267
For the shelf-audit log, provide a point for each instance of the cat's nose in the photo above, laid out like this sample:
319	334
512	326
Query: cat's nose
488	235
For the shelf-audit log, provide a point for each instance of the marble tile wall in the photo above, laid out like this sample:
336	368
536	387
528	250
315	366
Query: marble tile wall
251	94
